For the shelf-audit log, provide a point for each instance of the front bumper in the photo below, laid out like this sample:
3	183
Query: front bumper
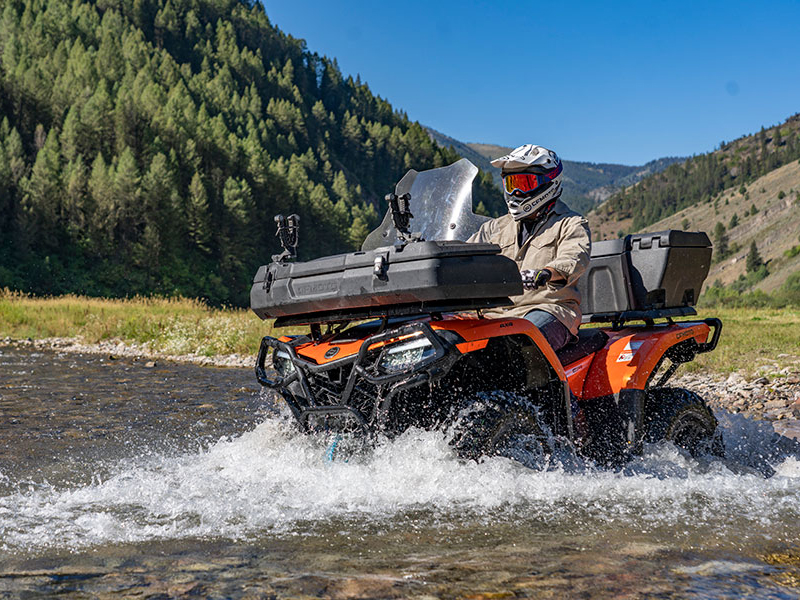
354	392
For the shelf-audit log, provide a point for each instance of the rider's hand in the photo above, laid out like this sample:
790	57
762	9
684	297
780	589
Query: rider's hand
535	278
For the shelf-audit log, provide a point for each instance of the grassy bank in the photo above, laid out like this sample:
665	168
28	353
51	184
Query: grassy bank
752	337
171	326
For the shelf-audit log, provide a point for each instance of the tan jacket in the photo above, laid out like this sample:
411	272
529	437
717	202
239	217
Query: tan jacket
562	242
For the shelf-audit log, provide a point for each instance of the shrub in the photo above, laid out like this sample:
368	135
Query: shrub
792	252
781	195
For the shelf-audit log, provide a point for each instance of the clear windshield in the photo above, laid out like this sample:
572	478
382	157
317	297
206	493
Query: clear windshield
441	202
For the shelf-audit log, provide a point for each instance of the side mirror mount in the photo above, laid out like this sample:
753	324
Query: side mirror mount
287	233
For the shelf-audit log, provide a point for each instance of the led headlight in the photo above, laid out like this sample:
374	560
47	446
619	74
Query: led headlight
405	355
283	363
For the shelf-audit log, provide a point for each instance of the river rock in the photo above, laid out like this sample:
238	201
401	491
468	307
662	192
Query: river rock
771	404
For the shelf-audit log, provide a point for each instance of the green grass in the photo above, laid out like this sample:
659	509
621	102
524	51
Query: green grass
752	338
169	325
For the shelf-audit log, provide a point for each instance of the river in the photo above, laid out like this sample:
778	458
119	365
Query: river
119	479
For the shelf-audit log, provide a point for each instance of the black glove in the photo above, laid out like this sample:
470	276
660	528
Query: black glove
535	278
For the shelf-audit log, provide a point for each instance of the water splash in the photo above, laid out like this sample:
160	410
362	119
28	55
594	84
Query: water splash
273	480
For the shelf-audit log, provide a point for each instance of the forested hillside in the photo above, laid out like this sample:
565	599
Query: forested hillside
145	146
703	178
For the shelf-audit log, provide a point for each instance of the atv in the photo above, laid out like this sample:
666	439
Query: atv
397	336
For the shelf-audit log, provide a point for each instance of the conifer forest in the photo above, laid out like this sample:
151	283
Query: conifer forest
145	146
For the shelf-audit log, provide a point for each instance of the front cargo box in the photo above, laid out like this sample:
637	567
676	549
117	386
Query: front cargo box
420	275
645	272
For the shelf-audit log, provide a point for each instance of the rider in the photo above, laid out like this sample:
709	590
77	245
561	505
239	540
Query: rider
549	242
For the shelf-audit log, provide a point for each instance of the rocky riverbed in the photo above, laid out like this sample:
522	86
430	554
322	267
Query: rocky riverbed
773	396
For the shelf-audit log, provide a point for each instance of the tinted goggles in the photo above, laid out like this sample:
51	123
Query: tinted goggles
525	183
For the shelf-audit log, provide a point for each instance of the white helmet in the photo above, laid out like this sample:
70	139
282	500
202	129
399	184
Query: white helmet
531	179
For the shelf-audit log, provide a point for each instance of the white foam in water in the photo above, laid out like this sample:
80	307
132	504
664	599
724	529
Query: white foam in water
271	480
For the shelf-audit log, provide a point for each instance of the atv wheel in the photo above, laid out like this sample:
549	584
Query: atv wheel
500	424
682	417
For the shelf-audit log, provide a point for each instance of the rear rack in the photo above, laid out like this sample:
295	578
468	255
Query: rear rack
618	319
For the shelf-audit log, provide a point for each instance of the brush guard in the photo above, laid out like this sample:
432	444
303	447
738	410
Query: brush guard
366	396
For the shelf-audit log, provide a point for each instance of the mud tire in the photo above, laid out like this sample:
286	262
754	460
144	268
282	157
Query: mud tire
500	424
682	417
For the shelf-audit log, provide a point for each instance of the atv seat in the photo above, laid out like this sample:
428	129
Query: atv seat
587	342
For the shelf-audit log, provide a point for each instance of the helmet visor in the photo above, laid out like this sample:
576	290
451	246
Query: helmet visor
525	183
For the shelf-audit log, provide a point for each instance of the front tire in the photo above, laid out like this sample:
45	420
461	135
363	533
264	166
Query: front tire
501	424
682	417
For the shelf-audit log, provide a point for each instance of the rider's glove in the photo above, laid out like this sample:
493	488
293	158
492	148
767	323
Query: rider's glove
535	278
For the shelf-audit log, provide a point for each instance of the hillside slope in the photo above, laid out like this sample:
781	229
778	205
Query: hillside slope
701	178
775	228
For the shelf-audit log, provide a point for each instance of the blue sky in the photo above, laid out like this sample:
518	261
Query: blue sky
622	82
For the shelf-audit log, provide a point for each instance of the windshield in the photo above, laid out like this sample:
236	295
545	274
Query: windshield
441	202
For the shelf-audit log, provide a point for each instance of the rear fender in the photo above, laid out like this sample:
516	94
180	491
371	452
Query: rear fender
633	354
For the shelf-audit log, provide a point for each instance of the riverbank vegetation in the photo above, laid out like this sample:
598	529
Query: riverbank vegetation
166	325
740	294
752	338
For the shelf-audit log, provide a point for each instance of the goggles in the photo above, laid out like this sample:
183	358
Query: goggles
525	183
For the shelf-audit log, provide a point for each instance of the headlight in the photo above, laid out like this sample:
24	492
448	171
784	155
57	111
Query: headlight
283	363
403	356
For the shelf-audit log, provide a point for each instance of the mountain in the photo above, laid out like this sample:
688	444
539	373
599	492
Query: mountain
702	178
145	146
585	184
745	195
774	228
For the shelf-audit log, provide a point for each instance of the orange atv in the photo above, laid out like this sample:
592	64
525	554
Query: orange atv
397	337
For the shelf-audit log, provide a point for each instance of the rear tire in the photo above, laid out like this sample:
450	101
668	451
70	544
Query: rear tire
683	418
501	424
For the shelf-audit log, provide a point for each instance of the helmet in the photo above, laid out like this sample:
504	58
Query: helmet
531	180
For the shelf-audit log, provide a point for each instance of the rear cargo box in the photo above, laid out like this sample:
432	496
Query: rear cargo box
419	277
645	272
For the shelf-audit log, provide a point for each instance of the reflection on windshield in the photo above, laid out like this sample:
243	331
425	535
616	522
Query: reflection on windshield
441	202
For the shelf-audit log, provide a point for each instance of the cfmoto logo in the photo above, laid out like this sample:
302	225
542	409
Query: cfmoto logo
332	352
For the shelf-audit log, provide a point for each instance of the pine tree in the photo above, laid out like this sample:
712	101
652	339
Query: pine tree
77	211
197	215
41	201
720	241
357	233
754	261
127	195
105	218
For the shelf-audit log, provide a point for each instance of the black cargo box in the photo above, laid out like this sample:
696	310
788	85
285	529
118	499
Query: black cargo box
420	277
645	272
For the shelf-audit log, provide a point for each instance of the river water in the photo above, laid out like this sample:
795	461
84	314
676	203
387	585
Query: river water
118	480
